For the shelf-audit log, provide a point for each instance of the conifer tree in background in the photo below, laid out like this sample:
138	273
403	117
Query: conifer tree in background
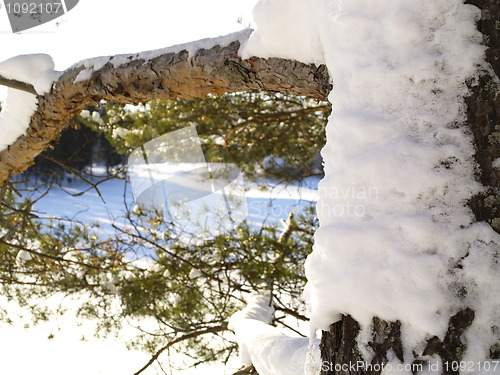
268	135
185	291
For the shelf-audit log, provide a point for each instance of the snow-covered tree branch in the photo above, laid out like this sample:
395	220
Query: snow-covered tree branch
186	71
265	347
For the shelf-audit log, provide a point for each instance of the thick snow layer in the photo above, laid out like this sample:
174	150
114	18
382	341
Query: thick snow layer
264	346
396	239
69	344
496	163
97	63
36	69
15	116
285	29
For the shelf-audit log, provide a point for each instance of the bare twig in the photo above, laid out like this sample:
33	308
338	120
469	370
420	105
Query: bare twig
79	175
292	313
188	336
280	320
18	85
56	258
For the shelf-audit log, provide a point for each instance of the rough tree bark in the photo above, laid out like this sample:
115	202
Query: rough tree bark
338	345
172	75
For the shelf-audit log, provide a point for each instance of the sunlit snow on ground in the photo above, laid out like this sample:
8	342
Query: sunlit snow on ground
267	206
63	345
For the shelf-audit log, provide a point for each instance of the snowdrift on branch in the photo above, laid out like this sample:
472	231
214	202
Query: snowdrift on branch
264	346
187	71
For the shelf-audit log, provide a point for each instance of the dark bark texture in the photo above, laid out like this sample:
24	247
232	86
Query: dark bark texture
483	116
338	345
172	75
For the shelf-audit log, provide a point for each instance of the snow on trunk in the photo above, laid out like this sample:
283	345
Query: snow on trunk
396	238
264	346
37	70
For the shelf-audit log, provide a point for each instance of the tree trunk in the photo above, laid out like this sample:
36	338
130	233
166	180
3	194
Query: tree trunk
171	75
483	114
339	345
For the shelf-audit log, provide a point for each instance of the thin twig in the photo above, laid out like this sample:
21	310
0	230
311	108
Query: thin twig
291	312
289	327
79	175
179	339
56	258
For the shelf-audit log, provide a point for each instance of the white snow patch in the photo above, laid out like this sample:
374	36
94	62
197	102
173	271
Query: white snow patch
119	132
96	118
285	29
38	70
496	163
264	346
23	256
195	273
15	116
409	248
83	75
85	113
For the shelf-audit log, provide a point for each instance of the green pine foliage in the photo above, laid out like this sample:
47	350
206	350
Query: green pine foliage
267	135
175	291
143	273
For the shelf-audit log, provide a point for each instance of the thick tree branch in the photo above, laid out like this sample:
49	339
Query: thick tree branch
172	75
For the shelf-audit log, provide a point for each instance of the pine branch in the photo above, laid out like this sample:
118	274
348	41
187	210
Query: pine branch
170	75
